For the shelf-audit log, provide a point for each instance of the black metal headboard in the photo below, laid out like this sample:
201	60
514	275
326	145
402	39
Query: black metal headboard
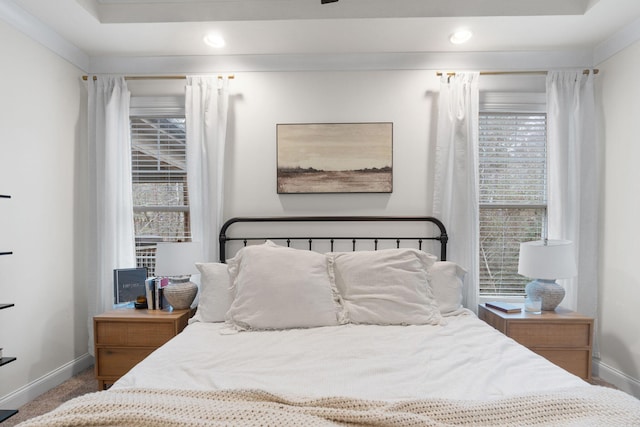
441	237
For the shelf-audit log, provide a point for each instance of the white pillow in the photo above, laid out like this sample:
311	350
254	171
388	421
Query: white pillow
386	287
275	287
446	279
214	298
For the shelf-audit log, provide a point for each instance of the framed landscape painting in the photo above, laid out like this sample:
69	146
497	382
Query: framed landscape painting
335	158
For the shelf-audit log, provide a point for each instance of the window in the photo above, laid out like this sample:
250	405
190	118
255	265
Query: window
513	201
159	175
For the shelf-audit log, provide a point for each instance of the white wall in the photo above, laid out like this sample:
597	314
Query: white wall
261	100
42	167
619	316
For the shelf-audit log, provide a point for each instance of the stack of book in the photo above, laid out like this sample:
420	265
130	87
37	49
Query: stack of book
155	298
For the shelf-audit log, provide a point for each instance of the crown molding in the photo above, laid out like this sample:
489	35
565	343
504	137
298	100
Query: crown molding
484	61
43	34
135	11
622	39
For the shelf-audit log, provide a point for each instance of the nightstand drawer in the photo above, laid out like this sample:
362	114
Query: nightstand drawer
117	361
122	338
140	334
550	334
562	336
575	361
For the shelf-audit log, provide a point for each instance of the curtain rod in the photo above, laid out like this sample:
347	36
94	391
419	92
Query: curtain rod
230	77
501	73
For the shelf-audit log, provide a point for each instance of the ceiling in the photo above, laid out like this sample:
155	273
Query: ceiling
175	28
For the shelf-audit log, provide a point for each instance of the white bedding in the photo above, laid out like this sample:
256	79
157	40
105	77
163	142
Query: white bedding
464	359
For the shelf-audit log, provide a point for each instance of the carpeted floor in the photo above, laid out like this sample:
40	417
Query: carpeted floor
82	383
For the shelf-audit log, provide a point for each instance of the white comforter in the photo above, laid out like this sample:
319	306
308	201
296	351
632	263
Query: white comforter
465	359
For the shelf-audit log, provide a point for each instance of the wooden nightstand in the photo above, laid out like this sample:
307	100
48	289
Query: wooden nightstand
564	337
123	338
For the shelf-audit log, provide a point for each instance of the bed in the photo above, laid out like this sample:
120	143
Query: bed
367	328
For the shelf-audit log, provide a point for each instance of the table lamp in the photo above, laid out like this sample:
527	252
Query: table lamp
545	261
177	262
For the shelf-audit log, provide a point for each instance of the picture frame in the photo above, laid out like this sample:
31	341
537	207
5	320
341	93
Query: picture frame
334	157
128	284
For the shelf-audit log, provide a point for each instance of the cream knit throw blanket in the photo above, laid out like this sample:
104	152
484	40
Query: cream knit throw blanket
583	406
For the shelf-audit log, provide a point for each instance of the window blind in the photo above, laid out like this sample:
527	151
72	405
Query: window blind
159	176
512	184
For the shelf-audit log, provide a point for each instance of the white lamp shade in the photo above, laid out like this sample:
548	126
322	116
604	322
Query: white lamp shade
547	260
177	259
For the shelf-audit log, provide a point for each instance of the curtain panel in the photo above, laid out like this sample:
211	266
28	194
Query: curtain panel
574	171
206	111
111	236
455	198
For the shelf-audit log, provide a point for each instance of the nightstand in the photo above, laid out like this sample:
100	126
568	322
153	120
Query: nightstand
122	338
564	337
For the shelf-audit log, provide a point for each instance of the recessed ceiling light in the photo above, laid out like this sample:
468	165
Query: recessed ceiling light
214	40
460	36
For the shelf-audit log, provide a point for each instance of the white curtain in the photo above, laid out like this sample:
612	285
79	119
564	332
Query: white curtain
206	110
455	198
573	180
111	237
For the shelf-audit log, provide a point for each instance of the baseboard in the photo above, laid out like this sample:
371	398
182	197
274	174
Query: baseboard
46	382
617	378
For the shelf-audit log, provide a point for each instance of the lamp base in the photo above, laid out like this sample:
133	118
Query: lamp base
549	292
180	295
